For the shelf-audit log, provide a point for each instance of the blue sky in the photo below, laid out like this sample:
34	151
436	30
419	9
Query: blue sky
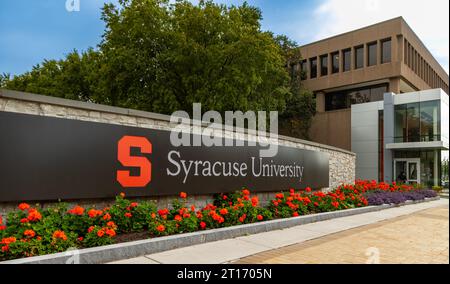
32	30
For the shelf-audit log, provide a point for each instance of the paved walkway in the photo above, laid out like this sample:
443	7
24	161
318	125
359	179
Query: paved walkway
416	233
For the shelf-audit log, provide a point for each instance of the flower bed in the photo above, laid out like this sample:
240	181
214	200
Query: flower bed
30	231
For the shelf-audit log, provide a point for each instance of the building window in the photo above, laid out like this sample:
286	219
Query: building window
324	65
344	99
303	70
416	122
346	59
359	57
335	62
313	67
371	54
386	51
380	145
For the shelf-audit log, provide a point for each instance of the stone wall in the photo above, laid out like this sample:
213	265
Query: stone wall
342	162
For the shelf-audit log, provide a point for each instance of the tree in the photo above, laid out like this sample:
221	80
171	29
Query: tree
162	56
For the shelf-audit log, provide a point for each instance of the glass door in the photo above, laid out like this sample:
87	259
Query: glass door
407	171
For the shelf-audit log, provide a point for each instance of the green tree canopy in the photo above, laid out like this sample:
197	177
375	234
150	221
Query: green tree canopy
162	56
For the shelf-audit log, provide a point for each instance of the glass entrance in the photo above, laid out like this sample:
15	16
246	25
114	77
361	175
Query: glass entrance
407	171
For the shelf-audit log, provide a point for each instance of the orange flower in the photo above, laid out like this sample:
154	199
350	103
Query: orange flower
134	204
153	215
34	215
1	220
183	195
246	192
106	217
128	215
178	218
242	218
110	232
163	212
7	241
161	228
59	235
122	195
24	206
77	210
111	224
90	229
29	233
279	196
94	213
259	217
223	211
100	233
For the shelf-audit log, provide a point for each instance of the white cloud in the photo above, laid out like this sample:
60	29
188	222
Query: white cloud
429	19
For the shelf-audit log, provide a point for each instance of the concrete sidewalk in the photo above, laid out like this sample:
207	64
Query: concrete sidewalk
230	250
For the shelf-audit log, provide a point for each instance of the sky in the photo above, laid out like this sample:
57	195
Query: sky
31	31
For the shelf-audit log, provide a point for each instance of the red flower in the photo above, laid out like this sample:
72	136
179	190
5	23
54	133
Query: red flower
308	189
1	220
255	201
59	235
183	195
295	214
29	233
279	196
160	228
106	217
90	229
5	248
24	220
224	197
80	239
24	206
134	204
246	192
316	204
223	211
335	204
128	215
77	210
242	218
34	215
153	215
2	228
163	212
178	218
259	217
202	225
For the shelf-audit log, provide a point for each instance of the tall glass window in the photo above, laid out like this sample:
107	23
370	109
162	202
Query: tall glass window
324	65
335	62
429	121
304	70
313	67
359	57
416	122
386	51
371	54
346	60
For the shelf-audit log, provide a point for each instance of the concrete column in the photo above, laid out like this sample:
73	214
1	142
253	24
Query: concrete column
320	102
398	49
394	85
388	135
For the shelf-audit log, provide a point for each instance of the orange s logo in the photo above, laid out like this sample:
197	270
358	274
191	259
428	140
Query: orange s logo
123	155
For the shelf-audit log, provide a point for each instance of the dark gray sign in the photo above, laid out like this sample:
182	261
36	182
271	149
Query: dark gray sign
46	158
